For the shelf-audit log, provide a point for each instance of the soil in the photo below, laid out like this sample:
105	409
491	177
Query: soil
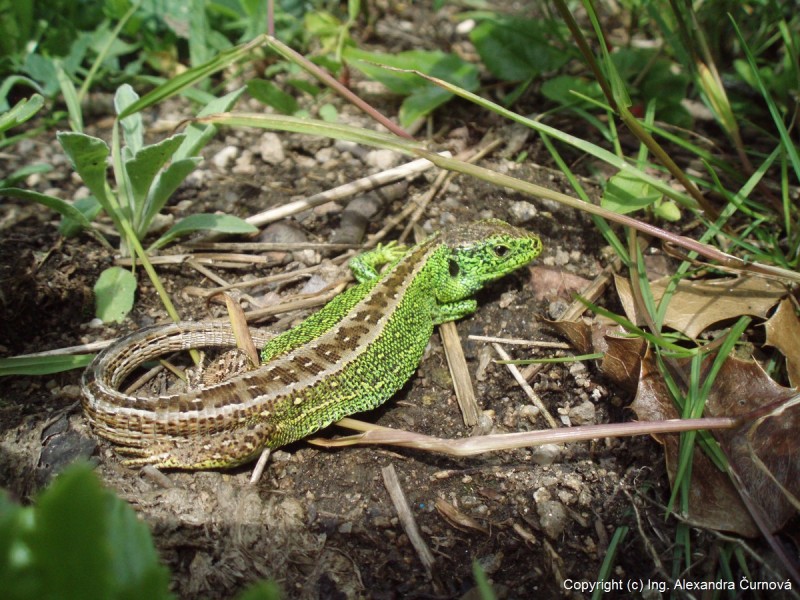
320	522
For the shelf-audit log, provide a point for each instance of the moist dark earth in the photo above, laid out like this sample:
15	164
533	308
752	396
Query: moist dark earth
320	521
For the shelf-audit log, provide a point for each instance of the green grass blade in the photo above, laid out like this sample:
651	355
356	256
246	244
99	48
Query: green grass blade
788	145
315	127
43	365
605	573
576	142
191	76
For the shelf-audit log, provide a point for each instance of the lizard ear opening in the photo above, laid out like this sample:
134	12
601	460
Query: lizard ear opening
454	268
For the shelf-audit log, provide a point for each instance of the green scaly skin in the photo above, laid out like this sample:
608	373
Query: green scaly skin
351	356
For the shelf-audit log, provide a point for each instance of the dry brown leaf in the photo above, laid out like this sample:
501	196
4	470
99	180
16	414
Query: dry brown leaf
740	388
621	353
622	360
783	332
577	333
696	305
550	283
458	519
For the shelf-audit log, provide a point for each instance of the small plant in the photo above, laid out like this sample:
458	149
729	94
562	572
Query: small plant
80	540
145	176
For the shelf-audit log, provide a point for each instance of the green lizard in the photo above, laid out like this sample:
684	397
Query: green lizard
351	356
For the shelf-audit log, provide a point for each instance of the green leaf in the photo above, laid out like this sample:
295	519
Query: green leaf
89	208
263	590
192	223
88	156
132	127
70	95
518	49
141	170
68	543
6	87
166	183
23	172
624	193
137	572
65	209
562	88
22	111
114	293
424	96
78	542
328	113
667	209
270	94
43	365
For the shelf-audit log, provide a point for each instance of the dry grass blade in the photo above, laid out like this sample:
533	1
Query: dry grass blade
457	363
244	341
458	519
407	518
534	397
378	435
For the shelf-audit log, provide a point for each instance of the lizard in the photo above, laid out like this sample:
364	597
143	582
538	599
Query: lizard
351	356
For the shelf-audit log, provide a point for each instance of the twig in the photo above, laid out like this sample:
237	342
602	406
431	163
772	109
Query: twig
526	387
407	518
520	342
462	383
343	191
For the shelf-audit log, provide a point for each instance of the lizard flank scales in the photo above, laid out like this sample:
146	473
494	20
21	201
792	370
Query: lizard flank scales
352	355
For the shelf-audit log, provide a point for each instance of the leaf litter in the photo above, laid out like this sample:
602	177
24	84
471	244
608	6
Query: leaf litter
763	456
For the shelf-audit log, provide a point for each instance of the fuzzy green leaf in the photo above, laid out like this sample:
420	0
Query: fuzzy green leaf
201	222
114	293
132	127
89	156
141	170
166	183
22	111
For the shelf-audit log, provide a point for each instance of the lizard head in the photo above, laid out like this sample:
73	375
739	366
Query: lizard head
480	252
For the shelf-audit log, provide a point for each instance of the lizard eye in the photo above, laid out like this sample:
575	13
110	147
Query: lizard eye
501	251
454	268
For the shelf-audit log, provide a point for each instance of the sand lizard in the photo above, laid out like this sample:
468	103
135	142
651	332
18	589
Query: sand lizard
352	355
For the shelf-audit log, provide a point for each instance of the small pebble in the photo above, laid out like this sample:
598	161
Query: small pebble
271	148
583	413
546	454
552	518
382	159
224	157
282	232
523	211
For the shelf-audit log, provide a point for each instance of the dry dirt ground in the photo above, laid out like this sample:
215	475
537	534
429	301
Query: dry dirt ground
320	522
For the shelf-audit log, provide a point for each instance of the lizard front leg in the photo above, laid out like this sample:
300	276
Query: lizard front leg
452	311
365	266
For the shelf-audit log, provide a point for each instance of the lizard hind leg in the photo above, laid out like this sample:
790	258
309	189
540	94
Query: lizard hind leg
220	450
